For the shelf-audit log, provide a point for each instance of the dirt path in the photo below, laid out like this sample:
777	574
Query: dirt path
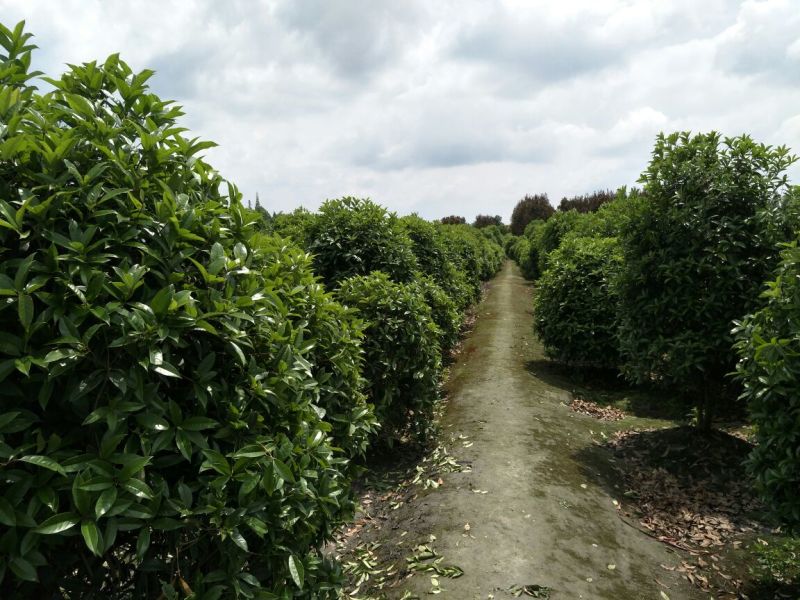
546	518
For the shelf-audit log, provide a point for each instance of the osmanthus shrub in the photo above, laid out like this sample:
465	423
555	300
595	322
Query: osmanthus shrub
294	225
334	337
171	393
353	236
548	237
444	311
402	355
696	252
575	306
768	347
429	247
473	254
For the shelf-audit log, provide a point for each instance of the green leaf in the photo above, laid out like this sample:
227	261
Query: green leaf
44	462
7	513
92	537
167	370
138	488
161	301
143	542
25	310
184	444
283	470
104	502
239	540
216	461
82	498
296	571
23	569
151	421
58	523
198	424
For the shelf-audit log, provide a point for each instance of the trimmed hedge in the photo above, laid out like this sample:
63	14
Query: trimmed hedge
575	306
402	354
354	236
433	258
444	311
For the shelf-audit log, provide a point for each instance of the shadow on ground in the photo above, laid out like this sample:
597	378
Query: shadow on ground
691	490
606	387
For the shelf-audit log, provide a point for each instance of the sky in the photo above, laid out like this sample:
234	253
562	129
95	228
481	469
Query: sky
442	107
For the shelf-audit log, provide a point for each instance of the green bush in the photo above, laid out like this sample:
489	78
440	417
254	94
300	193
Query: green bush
444	311
295	225
335	336
523	252
575	307
768	346
402	356
433	258
495	233
609	219
352	236
777	565
162	416
472	253
695	253
549	236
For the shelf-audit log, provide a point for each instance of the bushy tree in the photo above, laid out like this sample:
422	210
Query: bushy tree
575	306
768	347
588	202
162	428
353	236
402	355
487	220
530	208
453	220
695	254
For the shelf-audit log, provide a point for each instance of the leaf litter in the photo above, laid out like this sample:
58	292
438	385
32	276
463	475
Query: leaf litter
689	490
373	568
604	413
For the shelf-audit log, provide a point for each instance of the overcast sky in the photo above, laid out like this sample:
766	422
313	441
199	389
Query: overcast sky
447	106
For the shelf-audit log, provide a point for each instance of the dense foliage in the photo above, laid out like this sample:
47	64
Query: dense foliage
496	233
768	345
587	202
549	237
482	221
294	225
353	236
473	254
413	281
402	352
575	307
173	394
530	208
453	220
696	253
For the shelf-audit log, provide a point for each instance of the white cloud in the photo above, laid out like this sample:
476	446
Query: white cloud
456	106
